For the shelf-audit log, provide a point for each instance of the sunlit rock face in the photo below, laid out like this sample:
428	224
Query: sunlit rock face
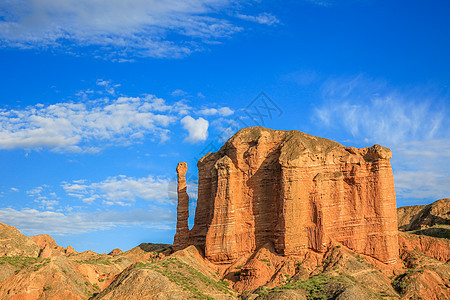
297	191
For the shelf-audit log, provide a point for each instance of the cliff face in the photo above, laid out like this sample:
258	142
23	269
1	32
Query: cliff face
294	190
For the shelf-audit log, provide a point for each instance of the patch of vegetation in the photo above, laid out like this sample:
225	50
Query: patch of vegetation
401	282
101	279
43	263
47	288
173	269
349	277
24	261
314	286
435	231
238	273
94	262
266	260
359	258
118	260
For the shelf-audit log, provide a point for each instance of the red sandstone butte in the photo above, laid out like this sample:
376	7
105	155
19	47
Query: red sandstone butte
295	190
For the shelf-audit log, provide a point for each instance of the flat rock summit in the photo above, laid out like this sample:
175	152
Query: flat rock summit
296	191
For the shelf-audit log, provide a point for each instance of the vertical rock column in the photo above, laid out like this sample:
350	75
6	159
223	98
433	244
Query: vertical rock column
182	235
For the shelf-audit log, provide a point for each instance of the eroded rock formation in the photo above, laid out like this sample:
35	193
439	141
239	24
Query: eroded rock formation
297	191
182	234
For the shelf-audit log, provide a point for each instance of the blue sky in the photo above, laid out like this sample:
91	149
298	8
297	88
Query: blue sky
101	99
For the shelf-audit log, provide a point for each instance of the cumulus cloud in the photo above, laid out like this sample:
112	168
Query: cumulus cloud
412	123
223	111
121	190
157	28
32	221
80	126
197	129
264	18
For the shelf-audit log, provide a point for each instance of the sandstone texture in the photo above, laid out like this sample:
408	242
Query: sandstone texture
181	239
293	190
49	248
433	247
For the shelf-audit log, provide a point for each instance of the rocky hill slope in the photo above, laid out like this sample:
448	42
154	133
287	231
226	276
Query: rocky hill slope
432	219
339	273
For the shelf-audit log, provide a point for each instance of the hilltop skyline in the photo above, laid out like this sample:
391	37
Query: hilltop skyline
98	108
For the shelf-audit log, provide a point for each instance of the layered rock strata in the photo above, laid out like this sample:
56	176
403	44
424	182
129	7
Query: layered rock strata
297	191
181	239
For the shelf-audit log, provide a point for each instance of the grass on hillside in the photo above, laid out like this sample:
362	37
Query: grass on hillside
314	286
94	262
185	276
21	262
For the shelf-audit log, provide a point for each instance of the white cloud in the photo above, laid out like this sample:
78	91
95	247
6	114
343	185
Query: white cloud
13	189
321	2
108	85
179	93
223	111
143	28
32	221
412	123
370	110
121	190
197	129
48	204
421	169
263	18
81	126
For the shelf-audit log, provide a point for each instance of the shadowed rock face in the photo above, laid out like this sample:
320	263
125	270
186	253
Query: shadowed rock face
294	190
424	216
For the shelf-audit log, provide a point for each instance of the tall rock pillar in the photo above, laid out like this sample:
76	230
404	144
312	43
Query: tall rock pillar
182	235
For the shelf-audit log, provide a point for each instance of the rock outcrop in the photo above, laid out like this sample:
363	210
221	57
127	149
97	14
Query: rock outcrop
14	243
49	248
181	239
297	191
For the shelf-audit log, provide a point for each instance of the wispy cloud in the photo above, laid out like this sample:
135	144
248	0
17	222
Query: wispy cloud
374	112
154	28
197	129
414	124
179	93
32	221
121	190
321	2
422	169
263	18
